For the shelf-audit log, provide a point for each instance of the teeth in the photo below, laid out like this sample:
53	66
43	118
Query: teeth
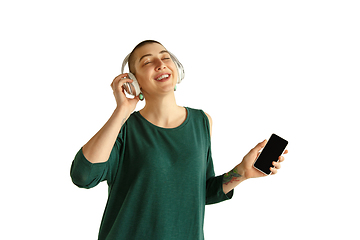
162	77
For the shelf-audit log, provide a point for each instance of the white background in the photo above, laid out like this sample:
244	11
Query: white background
257	67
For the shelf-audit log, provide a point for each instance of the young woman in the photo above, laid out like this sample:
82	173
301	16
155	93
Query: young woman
157	161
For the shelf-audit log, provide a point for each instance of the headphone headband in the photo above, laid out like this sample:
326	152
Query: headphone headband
126	60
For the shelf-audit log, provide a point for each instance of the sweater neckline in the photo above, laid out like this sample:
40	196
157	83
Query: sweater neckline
166	129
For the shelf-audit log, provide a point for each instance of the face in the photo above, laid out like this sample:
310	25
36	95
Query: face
154	69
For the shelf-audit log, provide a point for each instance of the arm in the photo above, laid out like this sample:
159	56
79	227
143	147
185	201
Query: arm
99	147
245	169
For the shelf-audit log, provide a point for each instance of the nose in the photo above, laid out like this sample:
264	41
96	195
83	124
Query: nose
160	65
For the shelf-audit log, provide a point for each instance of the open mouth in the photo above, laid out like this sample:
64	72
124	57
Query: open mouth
163	77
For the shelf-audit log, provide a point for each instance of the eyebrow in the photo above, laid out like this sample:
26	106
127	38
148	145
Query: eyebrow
147	55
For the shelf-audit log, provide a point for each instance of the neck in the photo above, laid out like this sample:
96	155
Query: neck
163	111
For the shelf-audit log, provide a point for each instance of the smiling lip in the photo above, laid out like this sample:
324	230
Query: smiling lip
164	79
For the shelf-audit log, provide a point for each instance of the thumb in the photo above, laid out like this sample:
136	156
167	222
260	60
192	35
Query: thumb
260	145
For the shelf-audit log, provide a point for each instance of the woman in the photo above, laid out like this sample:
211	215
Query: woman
157	162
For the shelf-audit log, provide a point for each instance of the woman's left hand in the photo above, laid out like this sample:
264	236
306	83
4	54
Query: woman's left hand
246	166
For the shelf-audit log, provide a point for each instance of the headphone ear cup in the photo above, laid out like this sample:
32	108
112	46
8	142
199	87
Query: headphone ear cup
135	85
131	88
179	67
181	72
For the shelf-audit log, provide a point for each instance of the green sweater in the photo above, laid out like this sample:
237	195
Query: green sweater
159	180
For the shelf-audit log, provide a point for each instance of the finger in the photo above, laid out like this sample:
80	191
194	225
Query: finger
273	170
281	159
118	82
123	75
260	145
120	77
276	165
286	151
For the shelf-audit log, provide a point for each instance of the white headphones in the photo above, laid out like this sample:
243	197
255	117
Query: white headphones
134	88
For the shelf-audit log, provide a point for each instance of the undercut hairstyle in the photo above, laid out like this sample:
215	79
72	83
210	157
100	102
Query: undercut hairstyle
131	57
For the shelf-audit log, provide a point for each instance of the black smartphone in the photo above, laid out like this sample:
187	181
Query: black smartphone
270	153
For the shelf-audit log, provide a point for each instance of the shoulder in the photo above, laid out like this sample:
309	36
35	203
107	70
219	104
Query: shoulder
210	122
204	115
209	117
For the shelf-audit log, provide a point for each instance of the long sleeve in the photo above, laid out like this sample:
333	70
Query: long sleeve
214	184
85	174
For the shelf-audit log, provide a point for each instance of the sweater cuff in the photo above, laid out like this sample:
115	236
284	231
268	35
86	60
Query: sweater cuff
85	174
215	192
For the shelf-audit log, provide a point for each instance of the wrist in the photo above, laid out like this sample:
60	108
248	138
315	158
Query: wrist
122	112
242	171
119	117
232	179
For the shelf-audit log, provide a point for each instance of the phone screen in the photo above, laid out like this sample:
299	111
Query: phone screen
271	152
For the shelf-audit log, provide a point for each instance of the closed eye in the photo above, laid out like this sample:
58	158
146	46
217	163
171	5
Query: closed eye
146	63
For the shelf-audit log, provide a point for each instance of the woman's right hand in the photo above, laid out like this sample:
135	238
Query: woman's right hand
99	147
122	101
